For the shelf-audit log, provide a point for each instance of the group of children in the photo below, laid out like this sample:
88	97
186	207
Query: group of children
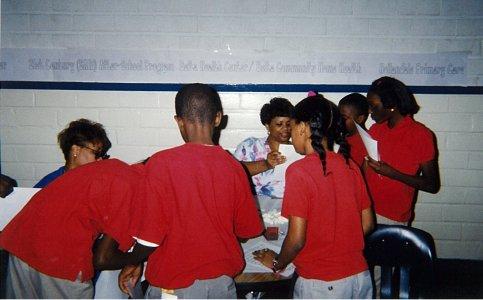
187	208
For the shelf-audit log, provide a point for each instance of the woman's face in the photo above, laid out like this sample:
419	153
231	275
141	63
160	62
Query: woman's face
279	129
378	113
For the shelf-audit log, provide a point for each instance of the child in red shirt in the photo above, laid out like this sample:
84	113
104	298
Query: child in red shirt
354	109
328	208
407	150
198	203
50	240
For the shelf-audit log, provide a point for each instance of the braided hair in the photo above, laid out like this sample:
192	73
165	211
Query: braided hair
324	121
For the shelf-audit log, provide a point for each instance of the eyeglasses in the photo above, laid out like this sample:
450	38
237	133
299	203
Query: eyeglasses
97	153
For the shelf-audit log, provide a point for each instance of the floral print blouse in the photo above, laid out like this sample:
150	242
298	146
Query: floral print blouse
255	149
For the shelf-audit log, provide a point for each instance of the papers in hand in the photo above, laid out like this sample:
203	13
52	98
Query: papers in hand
13	203
369	143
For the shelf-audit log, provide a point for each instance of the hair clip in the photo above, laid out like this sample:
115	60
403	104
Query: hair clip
312	93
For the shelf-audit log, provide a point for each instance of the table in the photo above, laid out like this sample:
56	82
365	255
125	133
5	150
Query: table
259	280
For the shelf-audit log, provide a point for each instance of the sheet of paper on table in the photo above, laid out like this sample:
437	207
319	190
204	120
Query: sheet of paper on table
254	266
13	203
369	143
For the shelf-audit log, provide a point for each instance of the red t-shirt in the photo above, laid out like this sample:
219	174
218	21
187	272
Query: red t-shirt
404	147
358	150
198	202
332	206
54	233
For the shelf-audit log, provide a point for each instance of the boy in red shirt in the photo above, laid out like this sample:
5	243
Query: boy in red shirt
50	240
198	203
354	109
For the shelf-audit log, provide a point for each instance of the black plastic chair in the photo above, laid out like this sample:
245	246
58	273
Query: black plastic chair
406	256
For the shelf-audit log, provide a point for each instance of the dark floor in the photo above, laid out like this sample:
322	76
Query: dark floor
452	279
458	279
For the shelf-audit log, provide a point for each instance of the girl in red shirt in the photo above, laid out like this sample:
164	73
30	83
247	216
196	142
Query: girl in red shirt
407	150
328	208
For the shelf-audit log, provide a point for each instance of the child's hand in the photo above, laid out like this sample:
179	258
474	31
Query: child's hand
265	256
128	277
380	167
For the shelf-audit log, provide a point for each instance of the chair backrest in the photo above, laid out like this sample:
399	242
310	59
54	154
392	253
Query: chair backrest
402	249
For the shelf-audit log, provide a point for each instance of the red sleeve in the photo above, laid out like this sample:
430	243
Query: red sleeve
116	213
150	223
247	219
424	145
295	197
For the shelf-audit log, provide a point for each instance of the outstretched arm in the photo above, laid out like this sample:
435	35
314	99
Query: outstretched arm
293	243
256	167
427	179
107	256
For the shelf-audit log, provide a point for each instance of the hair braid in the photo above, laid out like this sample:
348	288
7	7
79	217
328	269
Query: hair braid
316	139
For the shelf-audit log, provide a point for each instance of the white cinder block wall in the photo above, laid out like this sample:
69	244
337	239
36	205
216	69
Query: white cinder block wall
139	123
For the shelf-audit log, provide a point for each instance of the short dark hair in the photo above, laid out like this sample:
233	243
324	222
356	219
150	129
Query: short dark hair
394	93
6	185
357	101
81	132
277	107
197	102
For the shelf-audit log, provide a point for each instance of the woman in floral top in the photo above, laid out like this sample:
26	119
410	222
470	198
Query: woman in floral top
261	155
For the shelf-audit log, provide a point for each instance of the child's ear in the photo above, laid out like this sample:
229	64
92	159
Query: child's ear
218	118
179	121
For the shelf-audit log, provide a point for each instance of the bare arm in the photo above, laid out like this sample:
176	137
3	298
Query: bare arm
256	167
427	179
107	256
368	221
293	243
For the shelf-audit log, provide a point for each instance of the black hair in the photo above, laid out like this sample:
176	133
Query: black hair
357	101
394	93
80	133
6	185
277	107
198	103
324	120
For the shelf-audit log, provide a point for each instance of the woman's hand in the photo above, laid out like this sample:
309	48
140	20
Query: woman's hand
265	256
275	158
128	277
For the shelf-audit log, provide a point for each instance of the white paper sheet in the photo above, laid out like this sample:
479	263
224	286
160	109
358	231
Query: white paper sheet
289	152
254	266
369	142
13	203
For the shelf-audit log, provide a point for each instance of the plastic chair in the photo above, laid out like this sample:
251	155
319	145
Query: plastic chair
406	255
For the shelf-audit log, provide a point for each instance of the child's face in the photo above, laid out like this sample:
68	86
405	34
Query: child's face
299	138
349	115
378	113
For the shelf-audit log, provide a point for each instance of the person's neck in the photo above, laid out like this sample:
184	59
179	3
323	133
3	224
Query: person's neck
394	120
273	144
199	134
69	166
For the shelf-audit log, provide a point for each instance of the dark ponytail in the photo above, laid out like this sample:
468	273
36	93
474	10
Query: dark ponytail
324	120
